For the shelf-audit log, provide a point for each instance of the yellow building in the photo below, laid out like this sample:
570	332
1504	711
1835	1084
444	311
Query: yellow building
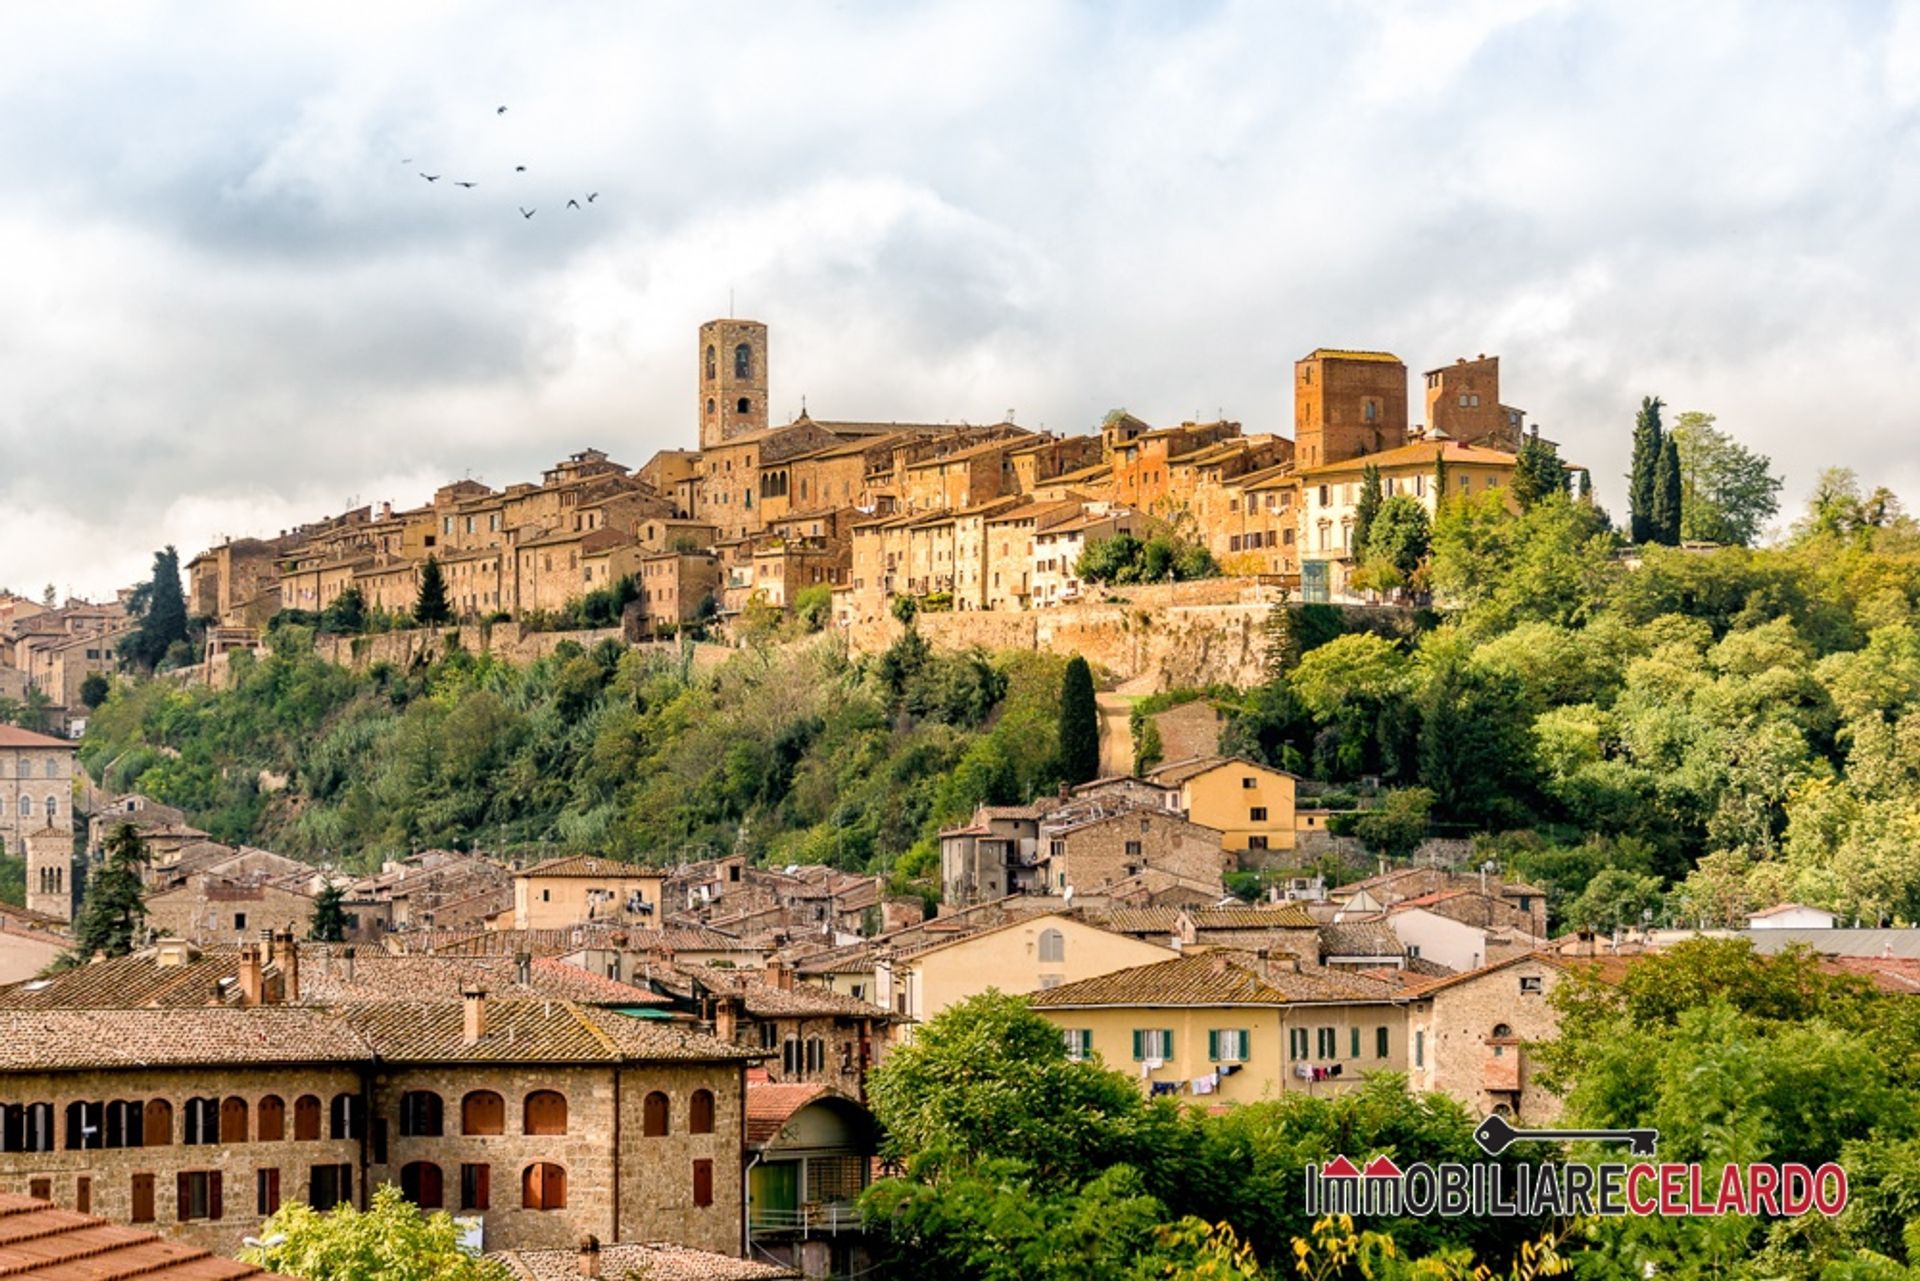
1029	955
1252	805
1204	1025
581	889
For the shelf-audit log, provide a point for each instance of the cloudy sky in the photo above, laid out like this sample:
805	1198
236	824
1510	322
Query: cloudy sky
229	303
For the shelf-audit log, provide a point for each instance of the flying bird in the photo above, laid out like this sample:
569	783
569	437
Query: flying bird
431	177
573	204
466	184
499	111
526	212
592	196
519	168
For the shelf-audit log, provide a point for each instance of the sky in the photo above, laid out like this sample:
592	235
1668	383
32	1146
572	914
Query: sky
229	303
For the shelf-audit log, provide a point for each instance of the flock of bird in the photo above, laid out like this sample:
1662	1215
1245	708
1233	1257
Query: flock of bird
572	202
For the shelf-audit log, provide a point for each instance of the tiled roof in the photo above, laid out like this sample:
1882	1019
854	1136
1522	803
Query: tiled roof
1141	920
1174	773
1465	976
1420	454
651	1261
762	999
527	1031
770	1106
1281	916
14	736
589	865
41	1243
1186	980
1359	938
65	1039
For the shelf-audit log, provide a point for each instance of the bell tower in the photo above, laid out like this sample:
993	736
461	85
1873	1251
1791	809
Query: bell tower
49	854
733	380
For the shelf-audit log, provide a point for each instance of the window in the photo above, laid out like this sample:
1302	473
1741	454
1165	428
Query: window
86	1126
40	1189
1079	1042
653	1114
743	361
1256	814
1530	985
199	1194
790	1056
1053	944
142	1199
329	1185
1133	849
419	1115
770	1034
306	1118
239	920
1380	1043
159	1124
703	1182
1419	1047
713	365
483	1112
126	1123
1248	782
1502	1032
1353	1043
347	1116
1256	842
1152	1043
545	1113
700	1113
543	1186
420	1184
266	1192
1296	1042
203	1121
742	405
816	1054
475	1189
233	1120
271	1119
83	1194
1228	1045
1326	1043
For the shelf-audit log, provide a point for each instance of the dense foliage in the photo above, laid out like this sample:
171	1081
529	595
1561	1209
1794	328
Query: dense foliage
391	1239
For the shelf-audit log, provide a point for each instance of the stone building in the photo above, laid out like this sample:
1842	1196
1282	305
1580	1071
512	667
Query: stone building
36	815
1088	852
1463	404
1347	403
1470	1033
578	889
733	380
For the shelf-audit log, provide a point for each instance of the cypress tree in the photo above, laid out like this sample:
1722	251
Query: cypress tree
113	911
1439	477
329	916
1079	724
1666	494
1365	510
430	608
1647	440
1537	471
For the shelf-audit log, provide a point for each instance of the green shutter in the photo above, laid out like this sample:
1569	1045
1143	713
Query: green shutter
1380	1043
1353	1041
1139	1044
1246	1044
1166	1043
1213	1044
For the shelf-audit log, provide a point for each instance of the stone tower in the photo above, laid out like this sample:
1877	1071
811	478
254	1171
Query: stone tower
50	873
733	380
1346	404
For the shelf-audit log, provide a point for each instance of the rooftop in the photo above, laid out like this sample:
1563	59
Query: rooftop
39	1242
652	1261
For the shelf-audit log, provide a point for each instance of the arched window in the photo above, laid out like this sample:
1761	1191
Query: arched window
420	1184
272	1119
700	1113
653	1115
306	1118
713	366
420	1115
743	361
86	1126
203	1121
26	1127
709	406
53	807
483	1112
543	1186
126	1123
233	1120
545	1113
26	807
159	1123
344	1117
1053	946
742	405
1501	1031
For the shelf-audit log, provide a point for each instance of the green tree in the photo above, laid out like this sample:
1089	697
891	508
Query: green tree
1398	824
1537	470
1667	496
113	911
94	690
1476	748
1727	492
1615	899
329	914
347	613
1400	535
391	1239
430	607
161	608
1644	526
1366	508
1079	724
1440	491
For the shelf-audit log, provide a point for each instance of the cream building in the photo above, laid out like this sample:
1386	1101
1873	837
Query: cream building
1252	805
581	889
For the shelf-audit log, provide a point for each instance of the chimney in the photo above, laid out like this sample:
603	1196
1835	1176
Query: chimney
250	980
523	968
346	964
725	1019
589	1256
1217	964
475	1026
778	975
286	954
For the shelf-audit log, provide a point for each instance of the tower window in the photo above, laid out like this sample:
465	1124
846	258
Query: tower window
743	361
712	365
742	405
709	406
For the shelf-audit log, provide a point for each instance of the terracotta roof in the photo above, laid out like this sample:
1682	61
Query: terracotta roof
1186	980
14	736
762	999
41	1243
649	1261
1281	916
1141	920
561	942
528	1031
1895	974
1174	773
1419	454
588	865
1464	976
770	1106
42	1040
1360	938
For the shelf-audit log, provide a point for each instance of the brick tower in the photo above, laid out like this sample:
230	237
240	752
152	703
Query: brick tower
733	380
1347	403
50	872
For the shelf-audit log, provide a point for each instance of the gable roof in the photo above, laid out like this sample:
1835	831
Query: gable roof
40	1242
12	736
1468	976
1213	978
1174	773
589	865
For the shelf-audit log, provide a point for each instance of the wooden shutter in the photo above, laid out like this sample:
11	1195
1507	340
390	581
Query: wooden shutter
1246	1044
158	1124
233	1120
83	1194
1139	1044
1166	1042
703	1182
183	1184
213	1195
142	1198
1213	1044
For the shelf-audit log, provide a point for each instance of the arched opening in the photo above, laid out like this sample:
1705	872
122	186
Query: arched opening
713	366
126	1123
202	1122
545	1113
700	1113
233	1120
420	1183
1501	1031
306	1118
653	1115
86	1126
1053	946
742	406
271	1119
543	1186
483	1112
743	361
345	1119
159	1124
420	1115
